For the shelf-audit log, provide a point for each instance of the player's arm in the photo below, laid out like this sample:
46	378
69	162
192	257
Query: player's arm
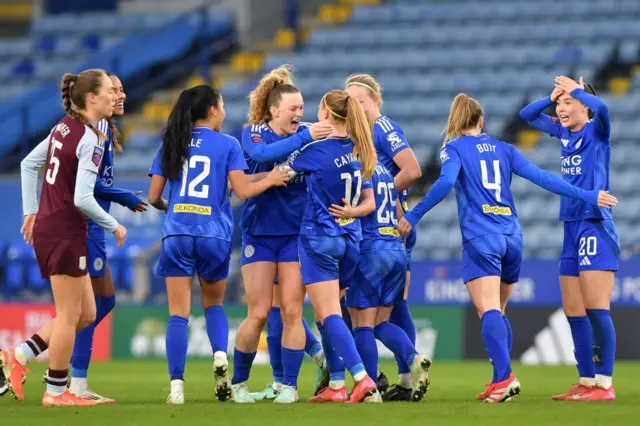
244	188
124	197
156	187
244	185
396	146
443	185
158	182
29	168
254	145
598	107
257	176
89	158
409	169
533	115
552	183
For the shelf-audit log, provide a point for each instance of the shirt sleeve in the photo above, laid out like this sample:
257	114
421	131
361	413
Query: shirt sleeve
84	200
367	184
555	184
156	164
598	107
236	156
391	140
29	168
90	151
301	160
518	161
533	115
255	146
451	166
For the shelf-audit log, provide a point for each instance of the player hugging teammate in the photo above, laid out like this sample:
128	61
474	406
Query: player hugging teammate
331	221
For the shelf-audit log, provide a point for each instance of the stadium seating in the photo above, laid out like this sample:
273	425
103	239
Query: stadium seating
423	53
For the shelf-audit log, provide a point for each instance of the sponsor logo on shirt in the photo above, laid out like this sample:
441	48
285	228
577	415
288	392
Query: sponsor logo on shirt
256	138
502	211
96	158
395	140
389	230
344	222
192	208
571	165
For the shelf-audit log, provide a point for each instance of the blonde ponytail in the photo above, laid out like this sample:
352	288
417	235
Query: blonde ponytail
465	113
348	110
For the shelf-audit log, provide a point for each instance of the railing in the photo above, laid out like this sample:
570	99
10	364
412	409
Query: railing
18	115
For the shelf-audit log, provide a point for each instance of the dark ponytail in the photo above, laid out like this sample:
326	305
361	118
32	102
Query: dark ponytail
192	105
589	89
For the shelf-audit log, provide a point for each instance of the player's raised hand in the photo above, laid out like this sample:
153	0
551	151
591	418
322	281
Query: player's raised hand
555	95
279	176
320	130
121	235
404	227
606	200
141	206
27	228
342	212
567	84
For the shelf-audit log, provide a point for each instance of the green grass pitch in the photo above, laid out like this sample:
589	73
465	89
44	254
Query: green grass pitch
138	387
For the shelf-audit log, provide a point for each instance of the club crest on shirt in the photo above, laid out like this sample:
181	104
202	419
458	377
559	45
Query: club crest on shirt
256	138
249	251
82	263
98	264
96	158
395	140
443	155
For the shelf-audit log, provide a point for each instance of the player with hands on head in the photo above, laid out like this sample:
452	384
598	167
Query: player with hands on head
591	246
478	165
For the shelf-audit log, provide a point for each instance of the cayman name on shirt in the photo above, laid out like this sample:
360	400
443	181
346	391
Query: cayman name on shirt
344	160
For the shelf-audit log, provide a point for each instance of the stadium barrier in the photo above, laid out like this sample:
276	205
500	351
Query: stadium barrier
141	332
541	335
18	322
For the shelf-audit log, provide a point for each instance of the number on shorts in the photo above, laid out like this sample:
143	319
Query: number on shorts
347	186
191	164
591	245
386	216
52	172
493	186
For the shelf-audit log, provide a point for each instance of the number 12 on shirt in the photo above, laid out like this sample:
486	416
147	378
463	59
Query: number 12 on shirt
192	163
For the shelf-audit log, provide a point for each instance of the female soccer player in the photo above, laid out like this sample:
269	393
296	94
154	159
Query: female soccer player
477	165
336	170
270	228
58	230
397	156
378	283
591	248
197	160
101	280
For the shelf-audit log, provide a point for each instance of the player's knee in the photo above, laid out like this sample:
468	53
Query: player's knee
291	313
86	318
258	317
574	308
